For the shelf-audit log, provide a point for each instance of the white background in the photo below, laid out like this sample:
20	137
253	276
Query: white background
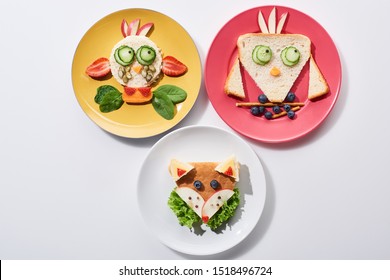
68	189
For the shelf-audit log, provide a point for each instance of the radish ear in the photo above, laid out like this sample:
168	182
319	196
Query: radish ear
125	28
145	29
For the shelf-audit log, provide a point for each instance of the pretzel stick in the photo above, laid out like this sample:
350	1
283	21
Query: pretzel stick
250	104
285	113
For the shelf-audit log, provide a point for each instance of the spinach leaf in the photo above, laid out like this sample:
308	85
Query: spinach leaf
174	93
163	105
102	91
111	101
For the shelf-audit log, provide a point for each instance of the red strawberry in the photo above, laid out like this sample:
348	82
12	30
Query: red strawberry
229	171
180	172
145	91
130	90
173	67
99	68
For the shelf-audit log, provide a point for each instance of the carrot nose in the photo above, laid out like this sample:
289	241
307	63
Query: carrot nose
275	71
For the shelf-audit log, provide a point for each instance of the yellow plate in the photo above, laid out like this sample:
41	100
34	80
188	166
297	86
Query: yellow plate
135	121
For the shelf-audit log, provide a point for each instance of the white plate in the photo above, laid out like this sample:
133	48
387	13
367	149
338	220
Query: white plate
199	143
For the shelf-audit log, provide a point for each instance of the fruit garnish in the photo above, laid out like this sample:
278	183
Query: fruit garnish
145	91
178	169
130	90
99	68
214	184
180	172
173	67
197	184
229	171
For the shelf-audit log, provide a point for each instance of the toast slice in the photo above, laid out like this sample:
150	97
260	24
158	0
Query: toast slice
275	87
233	84
317	83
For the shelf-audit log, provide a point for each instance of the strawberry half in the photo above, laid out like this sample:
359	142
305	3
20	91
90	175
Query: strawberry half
145	91
173	67
99	68
130	90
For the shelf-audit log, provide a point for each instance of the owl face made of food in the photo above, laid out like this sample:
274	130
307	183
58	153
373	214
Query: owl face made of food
136	61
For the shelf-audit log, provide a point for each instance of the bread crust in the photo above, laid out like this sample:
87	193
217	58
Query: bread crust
317	83
233	84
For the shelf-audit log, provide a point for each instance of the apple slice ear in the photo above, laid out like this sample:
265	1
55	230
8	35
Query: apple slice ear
178	169
229	167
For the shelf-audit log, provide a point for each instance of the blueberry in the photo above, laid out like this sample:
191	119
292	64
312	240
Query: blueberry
197	184
268	115
290	97
287	107
261	109
291	114
214	184
276	109
255	111
262	98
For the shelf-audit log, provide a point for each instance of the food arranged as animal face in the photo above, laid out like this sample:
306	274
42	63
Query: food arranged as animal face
274	61
205	186
136	62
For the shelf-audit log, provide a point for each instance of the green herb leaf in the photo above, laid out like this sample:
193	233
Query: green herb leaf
174	93
111	101
163	105
102	91
186	216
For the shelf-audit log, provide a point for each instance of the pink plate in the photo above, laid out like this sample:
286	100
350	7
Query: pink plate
223	52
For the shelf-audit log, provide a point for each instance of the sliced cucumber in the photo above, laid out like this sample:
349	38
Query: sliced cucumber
124	55
254	55
290	56
261	54
146	55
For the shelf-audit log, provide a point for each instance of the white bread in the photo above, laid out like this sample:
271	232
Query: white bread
317	83
233	84
275	88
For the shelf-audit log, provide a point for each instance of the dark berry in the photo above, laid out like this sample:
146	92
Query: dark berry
290	97
197	184
268	115
262	98
287	107
214	184
261	109
291	114
276	109
255	111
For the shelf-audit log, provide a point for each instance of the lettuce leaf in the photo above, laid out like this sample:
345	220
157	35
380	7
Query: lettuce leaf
226	211
187	217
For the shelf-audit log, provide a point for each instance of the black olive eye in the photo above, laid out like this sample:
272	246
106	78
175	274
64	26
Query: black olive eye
197	184
214	184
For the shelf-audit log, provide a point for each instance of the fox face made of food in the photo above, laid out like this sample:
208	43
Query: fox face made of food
205	186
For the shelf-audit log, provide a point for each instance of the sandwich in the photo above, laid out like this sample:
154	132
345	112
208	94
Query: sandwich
274	61
205	192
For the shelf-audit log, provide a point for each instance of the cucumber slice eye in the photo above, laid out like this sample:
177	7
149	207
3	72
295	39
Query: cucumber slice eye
261	54
290	56
145	55
124	55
